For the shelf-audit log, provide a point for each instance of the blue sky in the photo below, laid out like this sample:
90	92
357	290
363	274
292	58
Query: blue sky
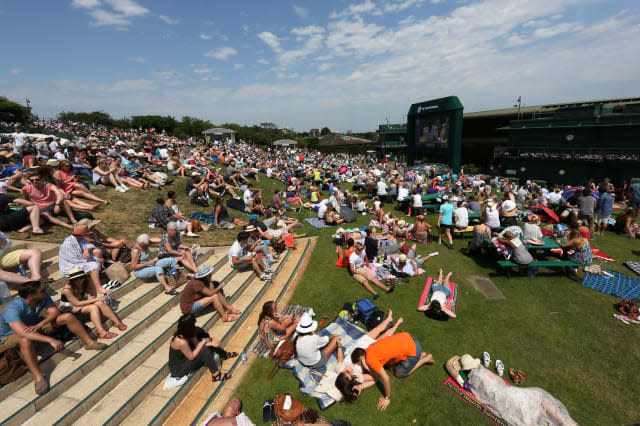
309	64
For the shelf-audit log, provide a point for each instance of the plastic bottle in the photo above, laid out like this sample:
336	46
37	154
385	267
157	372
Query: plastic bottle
243	358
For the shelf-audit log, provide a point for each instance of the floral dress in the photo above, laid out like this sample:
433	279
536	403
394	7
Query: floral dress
582	256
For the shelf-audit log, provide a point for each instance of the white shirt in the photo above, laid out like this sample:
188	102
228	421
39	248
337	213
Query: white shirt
382	188
417	200
308	349
269	172
462	217
357	260
554	197
59	156
18	138
403	193
235	250
246	197
53	146
493	219
323	208
164	153
439	296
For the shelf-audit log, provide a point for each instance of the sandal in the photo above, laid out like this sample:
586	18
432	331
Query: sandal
486	359
121	327
521	376
514	376
229	355
171	292
229	318
108	335
233	311
219	377
499	368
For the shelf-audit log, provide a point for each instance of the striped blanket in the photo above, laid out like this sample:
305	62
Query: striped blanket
620	285
317	222
310	379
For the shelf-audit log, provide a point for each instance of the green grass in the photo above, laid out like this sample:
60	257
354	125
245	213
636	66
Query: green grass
563	336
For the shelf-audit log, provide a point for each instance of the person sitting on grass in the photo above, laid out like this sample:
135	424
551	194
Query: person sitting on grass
105	175
34	317
256	207
191	348
624	224
275	326
358	264
331	218
351	380
402	352
49	198
241	259
145	266
81	298
312	350
201	292
439	292
222	218
421	229
170	246
70	184
445	221
162	215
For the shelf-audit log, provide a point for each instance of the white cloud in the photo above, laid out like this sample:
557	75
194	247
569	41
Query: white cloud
263	61
221	53
15	71
102	17
355	10
301	11
271	40
402	5
203	70
245	28
138	59
553	31
166	75
127	7
238	66
305	31
168	20
205	37
85	4
325	66
140	85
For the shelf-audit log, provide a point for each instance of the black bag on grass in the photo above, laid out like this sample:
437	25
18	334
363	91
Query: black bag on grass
234	203
347	215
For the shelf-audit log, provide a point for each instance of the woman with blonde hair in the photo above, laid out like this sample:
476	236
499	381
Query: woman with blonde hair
105	175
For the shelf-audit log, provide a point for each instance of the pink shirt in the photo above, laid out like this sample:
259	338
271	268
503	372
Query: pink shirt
41	198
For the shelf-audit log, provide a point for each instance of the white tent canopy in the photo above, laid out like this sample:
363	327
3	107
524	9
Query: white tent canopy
219	131
285	142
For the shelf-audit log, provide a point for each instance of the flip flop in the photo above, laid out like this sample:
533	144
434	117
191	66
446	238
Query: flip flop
108	335
486	359
229	318
171	292
499	368
521	376
513	375
233	311
230	355
121	327
220	377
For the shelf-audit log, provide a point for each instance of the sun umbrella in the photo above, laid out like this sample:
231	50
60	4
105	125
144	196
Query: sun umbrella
570	192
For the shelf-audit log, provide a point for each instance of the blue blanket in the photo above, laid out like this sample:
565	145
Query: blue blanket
203	217
309	379
317	223
620	285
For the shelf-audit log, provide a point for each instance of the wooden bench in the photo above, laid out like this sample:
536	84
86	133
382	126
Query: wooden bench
507	264
458	231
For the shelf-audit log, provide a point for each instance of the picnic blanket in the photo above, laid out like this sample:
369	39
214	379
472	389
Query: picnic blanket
600	255
452	300
310	379
634	266
619	285
316	222
203	217
470	399
260	348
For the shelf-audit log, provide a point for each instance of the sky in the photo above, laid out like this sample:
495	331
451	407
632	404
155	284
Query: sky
347	65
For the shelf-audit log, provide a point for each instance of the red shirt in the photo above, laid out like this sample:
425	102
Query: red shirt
41	198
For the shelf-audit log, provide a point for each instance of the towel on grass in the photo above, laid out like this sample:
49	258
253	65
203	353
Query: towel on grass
619	285
316	222
310	379
452	300
634	266
470	399
600	255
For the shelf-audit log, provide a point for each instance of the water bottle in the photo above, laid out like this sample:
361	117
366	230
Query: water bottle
243	358
22	271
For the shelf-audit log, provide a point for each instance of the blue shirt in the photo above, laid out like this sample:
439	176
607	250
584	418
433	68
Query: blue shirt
18	310
447	214
604	205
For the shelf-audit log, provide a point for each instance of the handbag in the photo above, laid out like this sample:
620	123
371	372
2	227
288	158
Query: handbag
281	354
289	415
117	271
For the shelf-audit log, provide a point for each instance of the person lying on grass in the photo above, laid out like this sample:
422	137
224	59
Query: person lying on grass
351	379
438	295
402	352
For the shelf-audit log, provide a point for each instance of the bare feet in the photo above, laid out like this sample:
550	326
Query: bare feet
121	326
399	322
390	316
428	359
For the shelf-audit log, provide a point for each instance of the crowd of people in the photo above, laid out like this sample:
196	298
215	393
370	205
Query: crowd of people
57	181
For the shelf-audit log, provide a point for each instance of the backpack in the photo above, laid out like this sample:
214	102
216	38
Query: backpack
364	309
11	365
347	215
281	354
234	203
375	319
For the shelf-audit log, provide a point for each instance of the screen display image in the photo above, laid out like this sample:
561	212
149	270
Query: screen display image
432	131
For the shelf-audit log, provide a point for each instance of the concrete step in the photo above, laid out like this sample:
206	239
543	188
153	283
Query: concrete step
206	396
132	389
138	307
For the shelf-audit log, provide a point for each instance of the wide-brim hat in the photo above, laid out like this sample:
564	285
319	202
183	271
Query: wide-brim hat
76	273
250	228
401	223
81	230
467	362
453	366
203	271
53	163
90	223
306	324
402	258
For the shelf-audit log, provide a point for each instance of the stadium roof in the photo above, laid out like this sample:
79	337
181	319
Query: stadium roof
218	131
285	142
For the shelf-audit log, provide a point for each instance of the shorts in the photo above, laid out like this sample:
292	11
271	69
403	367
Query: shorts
197	306
321	363
360	278
242	267
443	226
14	220
11	260
13	340
49	209
193	193
403	368
601	218
182	224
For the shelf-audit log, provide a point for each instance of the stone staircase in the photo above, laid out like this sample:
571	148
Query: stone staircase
123	383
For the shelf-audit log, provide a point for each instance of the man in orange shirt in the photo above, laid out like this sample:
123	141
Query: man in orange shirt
402	352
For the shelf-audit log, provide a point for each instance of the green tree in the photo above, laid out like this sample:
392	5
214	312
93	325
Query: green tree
95	117
325	131
13	111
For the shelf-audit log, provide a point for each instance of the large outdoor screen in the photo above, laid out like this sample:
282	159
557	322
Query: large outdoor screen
432	131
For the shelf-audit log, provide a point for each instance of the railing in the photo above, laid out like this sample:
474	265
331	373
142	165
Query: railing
584	154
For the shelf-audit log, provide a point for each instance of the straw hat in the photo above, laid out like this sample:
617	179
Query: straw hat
90	223
81	230
402	258
401	223
453	367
